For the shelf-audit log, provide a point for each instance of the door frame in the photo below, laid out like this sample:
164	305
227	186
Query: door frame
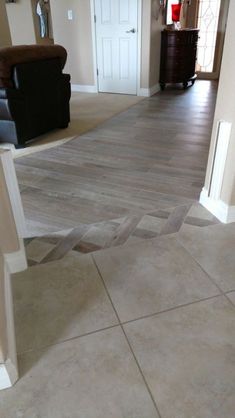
139	49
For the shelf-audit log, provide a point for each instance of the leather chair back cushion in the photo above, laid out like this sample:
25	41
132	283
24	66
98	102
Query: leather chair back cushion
11	56
39	84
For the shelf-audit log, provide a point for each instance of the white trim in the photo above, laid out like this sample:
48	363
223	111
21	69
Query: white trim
84	88
17	261
149	92
8	375
219	160
5	381
139	48
13	191
94	49
218	208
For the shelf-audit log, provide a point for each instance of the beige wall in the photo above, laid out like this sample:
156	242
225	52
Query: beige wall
157	25
9	243
39	40
3	333
225	110
5	36
24	23
145	44
8	235
76	36
21	22
191	20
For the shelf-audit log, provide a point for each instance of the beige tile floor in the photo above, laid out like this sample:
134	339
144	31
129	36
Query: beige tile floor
144	330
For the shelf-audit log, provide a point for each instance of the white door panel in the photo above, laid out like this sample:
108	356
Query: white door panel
117	45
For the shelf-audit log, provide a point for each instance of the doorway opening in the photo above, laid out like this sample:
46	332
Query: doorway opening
211	16
207	22
117	45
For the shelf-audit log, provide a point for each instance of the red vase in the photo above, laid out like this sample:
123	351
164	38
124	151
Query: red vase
176	12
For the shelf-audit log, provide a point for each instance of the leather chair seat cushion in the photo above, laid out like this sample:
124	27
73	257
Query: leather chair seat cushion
11	56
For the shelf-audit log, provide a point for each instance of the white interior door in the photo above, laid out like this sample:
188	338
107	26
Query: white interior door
116	43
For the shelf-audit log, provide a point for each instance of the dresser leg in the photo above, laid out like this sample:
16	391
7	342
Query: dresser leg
162	86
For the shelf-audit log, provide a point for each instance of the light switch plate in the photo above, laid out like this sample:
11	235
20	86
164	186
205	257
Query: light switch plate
70	15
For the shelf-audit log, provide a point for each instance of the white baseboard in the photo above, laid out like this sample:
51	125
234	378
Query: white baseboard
8	375
218	208
83	88
93	89
17	261
150	91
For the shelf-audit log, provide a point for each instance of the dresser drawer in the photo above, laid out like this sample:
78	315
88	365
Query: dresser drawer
178	38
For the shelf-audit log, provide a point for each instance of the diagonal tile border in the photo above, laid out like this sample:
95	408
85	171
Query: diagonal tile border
89	238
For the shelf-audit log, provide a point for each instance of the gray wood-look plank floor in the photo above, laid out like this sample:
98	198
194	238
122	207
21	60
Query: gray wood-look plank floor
152	156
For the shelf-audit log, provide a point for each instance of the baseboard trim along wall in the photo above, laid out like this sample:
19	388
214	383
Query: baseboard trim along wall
8	375
93	89
218	208
17	261
83	88
149	92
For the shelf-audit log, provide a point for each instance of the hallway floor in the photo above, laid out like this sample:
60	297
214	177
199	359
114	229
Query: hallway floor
130	312
151	157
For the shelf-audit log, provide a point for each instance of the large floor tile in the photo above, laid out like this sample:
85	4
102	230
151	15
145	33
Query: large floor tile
213	247
231	297
152	276
59	300
90	377
187	357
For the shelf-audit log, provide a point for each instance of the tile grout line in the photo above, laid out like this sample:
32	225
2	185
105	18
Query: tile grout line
127	340
226	295
172	309
202	268
121	323
67	340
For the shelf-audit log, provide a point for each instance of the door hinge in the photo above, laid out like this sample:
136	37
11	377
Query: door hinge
95	18
97	71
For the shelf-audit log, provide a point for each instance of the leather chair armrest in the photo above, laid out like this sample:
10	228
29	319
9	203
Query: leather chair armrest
11	103
10	93
3	93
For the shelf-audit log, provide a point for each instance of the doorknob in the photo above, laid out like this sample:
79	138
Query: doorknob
131	31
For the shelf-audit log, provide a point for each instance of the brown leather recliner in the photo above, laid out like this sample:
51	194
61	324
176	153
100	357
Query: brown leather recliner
34	93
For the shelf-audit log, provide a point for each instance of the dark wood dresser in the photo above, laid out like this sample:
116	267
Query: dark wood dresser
178	56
